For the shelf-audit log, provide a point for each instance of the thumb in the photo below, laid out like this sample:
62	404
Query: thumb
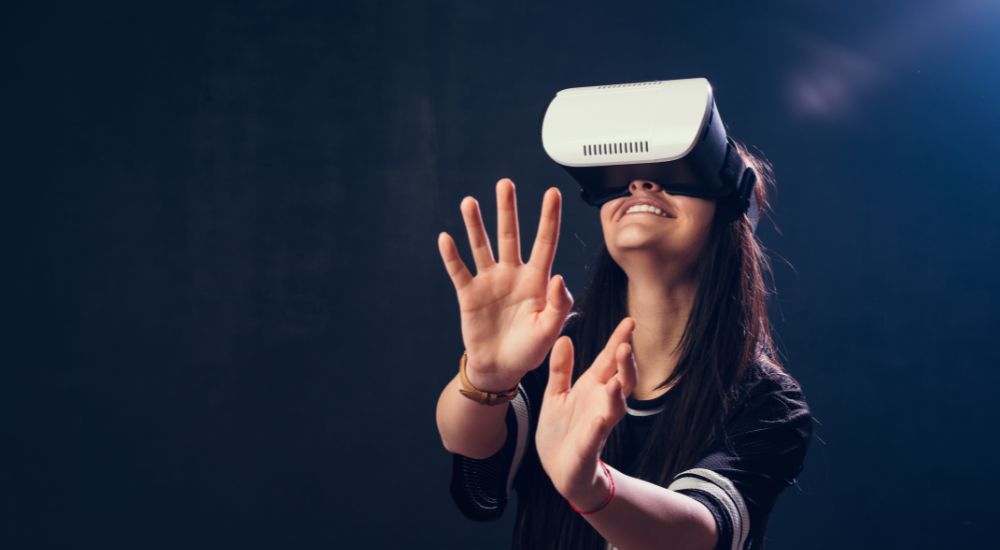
560	367
594	440
559	301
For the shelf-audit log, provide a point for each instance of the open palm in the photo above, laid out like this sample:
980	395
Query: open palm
575	421
512	311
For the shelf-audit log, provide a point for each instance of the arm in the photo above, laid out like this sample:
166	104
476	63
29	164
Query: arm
469	428
642	515
735	483
573	426
500	316
481	487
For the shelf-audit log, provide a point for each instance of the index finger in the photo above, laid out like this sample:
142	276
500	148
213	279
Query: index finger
544	250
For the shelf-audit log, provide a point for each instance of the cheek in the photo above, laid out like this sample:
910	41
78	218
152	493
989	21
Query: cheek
700	212
700	215
606	213
707	217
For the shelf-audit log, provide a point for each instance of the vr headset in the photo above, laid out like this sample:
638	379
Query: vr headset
665	131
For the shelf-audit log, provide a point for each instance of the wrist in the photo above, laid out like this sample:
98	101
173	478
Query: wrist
595	495
481	395
487	382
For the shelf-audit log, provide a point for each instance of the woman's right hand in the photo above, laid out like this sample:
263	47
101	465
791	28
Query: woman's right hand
512	312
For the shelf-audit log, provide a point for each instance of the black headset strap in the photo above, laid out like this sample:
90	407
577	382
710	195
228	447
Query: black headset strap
744	199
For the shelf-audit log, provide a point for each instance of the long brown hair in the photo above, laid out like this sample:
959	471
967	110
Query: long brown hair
727	331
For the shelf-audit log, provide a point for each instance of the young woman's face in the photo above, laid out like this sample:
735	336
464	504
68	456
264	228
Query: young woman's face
675	237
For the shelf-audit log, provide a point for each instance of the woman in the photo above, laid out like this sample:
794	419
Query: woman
663	418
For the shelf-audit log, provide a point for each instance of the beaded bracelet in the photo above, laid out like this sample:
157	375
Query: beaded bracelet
611	494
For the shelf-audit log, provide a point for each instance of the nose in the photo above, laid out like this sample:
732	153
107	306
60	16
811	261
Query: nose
635	185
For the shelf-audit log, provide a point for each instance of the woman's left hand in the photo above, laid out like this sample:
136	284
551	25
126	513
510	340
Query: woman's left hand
574	422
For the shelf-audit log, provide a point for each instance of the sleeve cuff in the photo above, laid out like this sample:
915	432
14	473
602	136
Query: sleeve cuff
722	498
481	487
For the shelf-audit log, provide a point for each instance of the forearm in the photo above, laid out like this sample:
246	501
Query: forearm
644	515
469	428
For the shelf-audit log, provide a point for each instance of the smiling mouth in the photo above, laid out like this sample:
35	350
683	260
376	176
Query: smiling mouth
647	209
650	213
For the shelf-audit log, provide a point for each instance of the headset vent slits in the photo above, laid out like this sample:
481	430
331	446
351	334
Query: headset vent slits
619	148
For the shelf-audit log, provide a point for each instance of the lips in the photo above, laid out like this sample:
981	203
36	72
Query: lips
667	209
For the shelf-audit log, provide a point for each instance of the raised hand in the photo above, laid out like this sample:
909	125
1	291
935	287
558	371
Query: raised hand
512	312
574	422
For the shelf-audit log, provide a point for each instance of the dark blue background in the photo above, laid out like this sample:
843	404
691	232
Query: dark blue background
229	321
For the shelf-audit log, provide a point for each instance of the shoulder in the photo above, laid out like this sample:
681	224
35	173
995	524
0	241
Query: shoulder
761	452
770	394
769	428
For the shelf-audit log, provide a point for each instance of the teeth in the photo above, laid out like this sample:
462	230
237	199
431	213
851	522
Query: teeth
646	208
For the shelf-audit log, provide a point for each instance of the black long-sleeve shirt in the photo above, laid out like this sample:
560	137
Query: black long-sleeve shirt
769	431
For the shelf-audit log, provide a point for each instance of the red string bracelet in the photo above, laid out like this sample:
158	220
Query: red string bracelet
611	494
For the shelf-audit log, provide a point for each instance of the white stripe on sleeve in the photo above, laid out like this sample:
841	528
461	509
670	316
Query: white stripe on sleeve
723	490
520	406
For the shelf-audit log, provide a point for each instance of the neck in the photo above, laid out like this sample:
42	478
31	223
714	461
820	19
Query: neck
661	307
